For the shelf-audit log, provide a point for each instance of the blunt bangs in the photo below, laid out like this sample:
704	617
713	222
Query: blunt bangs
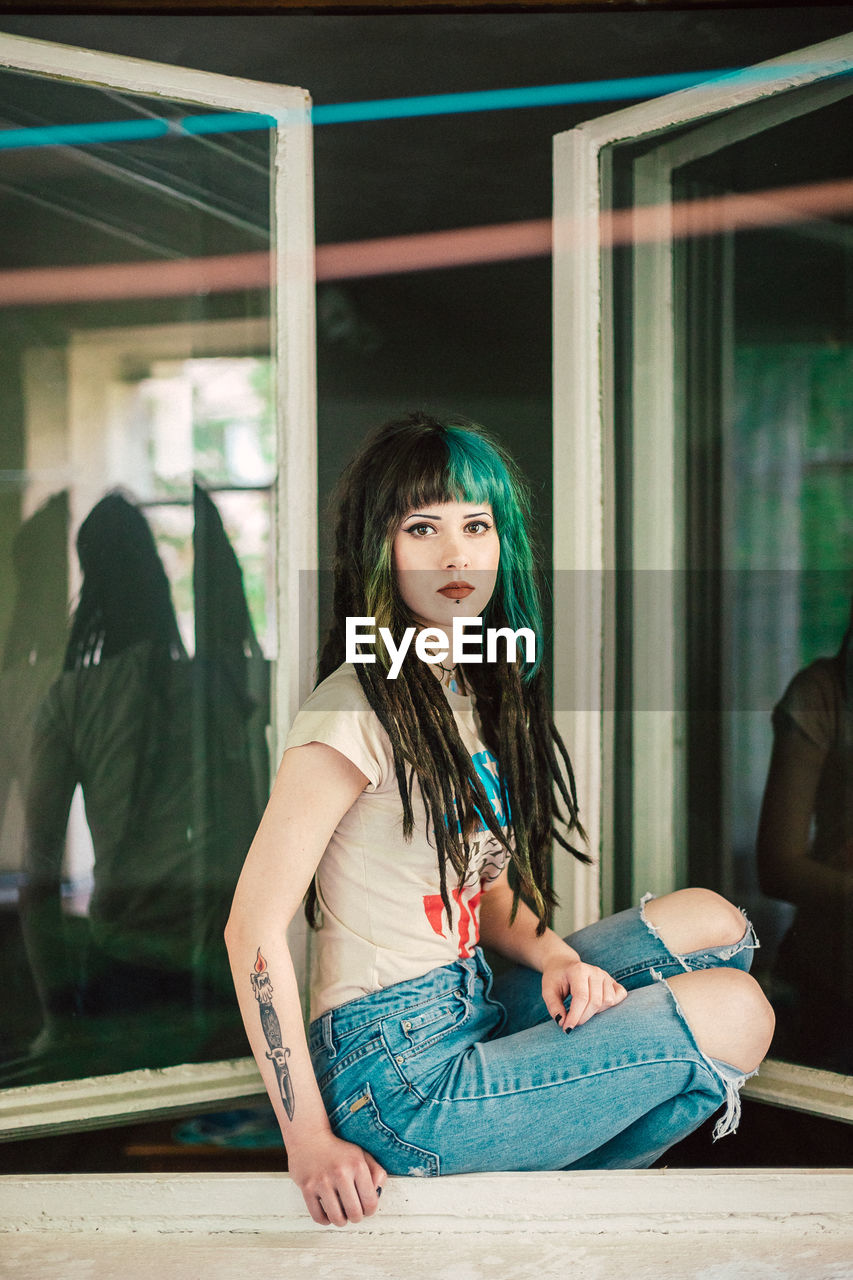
432	469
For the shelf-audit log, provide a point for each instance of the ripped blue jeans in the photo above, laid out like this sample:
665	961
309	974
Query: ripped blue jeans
457	1072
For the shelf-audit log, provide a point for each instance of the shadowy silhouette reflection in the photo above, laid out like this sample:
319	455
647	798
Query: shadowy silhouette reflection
32	657
805	856
31	660
159	746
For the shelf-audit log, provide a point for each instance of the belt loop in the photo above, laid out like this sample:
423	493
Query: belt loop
328	1038
484	970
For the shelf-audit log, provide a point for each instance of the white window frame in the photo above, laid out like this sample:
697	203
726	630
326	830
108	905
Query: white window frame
584	517
134	1095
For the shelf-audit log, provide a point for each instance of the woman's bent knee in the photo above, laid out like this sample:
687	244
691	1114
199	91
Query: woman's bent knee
692	919
728	1013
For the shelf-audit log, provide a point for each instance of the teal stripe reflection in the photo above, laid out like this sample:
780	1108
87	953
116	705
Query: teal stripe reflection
543	95
549	95
546	95
227	122
83	135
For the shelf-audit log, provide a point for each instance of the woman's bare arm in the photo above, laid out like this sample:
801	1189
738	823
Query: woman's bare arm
784	831
563	971
315	787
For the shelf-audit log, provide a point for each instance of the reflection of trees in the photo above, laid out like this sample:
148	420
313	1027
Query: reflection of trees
227	426
252	407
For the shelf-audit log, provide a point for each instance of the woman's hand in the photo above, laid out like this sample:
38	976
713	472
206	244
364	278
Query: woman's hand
340	1182
592	989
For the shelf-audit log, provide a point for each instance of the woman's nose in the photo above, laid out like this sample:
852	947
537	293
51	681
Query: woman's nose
454	555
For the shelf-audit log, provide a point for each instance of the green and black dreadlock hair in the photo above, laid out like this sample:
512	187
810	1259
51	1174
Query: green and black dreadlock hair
411	464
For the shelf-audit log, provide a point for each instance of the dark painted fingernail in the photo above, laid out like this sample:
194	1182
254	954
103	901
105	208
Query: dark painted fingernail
568	1029
558	1018
379	1191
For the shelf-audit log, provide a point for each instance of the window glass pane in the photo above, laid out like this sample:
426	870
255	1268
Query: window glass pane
137	612
768	374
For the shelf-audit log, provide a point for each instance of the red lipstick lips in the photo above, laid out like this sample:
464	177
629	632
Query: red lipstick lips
456	590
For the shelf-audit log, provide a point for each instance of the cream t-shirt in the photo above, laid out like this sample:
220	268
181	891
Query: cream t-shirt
382	916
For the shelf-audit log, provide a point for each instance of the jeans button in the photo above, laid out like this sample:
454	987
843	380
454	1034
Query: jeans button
399	1059
407	1026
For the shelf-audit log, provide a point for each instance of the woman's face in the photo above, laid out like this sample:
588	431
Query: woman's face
446	559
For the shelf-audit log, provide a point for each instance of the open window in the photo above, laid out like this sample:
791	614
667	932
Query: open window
703	361
159	490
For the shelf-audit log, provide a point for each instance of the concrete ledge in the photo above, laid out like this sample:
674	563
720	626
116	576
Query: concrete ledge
698	1225
790	1202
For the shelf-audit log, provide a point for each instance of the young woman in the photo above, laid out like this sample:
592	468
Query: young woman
418	813
805	857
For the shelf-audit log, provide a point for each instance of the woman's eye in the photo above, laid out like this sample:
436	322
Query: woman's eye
476	527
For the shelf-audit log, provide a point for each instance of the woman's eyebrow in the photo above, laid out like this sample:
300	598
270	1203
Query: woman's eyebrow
423	515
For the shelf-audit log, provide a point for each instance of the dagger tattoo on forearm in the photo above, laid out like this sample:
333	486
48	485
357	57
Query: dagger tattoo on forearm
262	988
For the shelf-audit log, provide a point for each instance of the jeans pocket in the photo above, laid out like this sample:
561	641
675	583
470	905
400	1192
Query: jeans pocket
328	1068
415	1031
357	1120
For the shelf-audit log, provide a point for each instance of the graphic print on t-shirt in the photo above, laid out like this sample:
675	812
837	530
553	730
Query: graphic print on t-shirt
467	900
488	859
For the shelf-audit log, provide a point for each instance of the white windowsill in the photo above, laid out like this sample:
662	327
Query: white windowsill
698	1225
125	1098
792	1201
137	1096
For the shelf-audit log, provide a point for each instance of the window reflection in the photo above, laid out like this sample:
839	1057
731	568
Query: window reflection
134	761
135	721
137	619
805	857
31	660
170	755
765	322
788	752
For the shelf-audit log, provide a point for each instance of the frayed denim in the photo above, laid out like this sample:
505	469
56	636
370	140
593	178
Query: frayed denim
460	1072
732	1078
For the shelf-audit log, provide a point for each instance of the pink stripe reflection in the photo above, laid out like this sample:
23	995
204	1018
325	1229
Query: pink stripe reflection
776	207
115	280
434	249
430	251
